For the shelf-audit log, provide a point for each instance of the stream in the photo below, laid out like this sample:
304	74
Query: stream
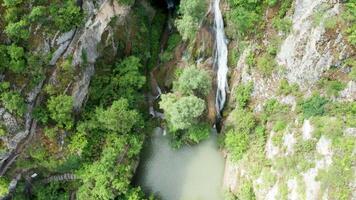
189	173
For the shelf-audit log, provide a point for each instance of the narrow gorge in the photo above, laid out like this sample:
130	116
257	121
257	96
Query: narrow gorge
177	99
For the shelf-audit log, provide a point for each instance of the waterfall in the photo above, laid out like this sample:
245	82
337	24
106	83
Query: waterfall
170	4
220	59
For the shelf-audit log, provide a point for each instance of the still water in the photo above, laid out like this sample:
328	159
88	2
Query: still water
190	173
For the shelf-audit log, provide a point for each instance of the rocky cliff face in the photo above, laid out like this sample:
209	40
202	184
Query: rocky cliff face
72	44
307	54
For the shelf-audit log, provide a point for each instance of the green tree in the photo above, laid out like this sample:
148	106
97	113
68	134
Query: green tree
191	13
17	58
243	93
14	102
4	186
183	112
60	109
4	58
18	30
193	81
109	177
66	16
118	117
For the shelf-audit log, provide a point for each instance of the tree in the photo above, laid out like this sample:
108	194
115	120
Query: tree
198	132
118	117
182	112
109	177
60	109
18	30
17	58
192	13
14	102
66	16
193	81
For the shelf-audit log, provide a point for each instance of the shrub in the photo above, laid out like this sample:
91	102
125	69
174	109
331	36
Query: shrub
333	87
193	81
246	189
280	125
283	25
236	143
13	102
126	2
285	88
199	132
243	93
244	121
266	64
313	106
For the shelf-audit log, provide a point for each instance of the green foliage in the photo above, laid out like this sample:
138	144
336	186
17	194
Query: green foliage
4	184
350	17
313	106
246	191
126	2
243	93
12	3
266	64
125	81
78	141
40	114
332	87
285	88
193	81
118	117
191	14
236	143
66	16
181	113
4	58
37	13
17	61
198	132
14	102
60	109
283	25
110	176
244	17
280	125
51	191
18	30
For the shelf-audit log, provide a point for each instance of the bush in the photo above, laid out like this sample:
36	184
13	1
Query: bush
14	102
332	87
314	106
266	64
199	132
243	93
126	2
193	81
236	143
4	186
285	88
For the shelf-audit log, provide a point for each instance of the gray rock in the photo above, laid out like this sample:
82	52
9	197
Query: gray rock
81	87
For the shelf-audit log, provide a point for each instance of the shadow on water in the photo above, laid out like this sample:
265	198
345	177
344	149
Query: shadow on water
188	173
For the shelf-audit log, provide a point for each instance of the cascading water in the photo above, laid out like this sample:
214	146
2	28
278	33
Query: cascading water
220	59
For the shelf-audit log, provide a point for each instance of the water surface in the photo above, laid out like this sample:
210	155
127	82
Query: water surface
190	173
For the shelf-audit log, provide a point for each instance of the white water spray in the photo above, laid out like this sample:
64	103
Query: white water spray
220	60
